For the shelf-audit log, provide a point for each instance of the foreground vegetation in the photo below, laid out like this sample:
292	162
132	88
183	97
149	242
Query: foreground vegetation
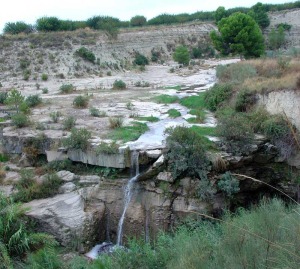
267	236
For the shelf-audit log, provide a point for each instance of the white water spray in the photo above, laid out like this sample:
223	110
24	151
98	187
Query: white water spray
128	192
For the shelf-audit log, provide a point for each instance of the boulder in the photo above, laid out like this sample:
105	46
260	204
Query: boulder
66	218
154	154
66	175
165	176
67	187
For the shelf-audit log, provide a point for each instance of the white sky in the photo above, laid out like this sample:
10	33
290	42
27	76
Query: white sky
30	10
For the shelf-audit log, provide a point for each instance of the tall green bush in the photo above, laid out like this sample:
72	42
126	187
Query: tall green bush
48	24
181	55
86	54
14	28
216	95
186	155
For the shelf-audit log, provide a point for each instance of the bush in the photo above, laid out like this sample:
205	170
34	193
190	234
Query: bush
229	184
108	148
181	55
14	28
48	24
216	95
140	60
45	90
115	122
44	77
119	85
20	120
138	20
3	96
235	127
86	54
55	116
235	73
33	100
29	189
244	100
186	155
69	123
66	88
81	101
95	112
78	139
16	238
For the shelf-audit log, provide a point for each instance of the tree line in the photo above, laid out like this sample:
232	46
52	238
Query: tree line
111	24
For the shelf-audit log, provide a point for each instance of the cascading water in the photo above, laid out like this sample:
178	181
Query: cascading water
128	192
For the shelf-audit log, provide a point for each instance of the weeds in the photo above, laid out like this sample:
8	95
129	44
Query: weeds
166	99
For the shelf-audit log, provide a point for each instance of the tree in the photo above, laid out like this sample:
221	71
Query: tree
181	55
15	99
220	14
138	20
259	14
239	34
276	38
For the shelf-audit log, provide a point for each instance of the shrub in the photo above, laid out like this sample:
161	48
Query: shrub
119	85
81	101
16	239
108	148
26	74
235	73
228	184
138	20
45	90
69	123
3	96
95	112
44	77
66	88
235	127
216	95
14	28
86	54
78	139
181	55
140	60
186	155
244	100
33	100
48	24
20	120
55	115
115	122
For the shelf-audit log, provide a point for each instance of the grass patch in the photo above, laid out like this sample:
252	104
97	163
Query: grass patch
194	102
150	119
177	87
174	113
200	116
204	131
166	99
129	133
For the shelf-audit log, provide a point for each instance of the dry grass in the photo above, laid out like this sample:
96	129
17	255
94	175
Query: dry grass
264	85
272	76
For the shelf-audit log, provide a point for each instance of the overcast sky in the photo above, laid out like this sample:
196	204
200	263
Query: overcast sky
30	10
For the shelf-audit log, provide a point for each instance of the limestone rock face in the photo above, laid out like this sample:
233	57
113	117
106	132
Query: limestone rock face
65	216
67	187
91	157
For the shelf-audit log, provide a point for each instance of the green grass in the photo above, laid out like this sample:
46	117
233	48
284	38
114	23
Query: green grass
200	116
203	132
165	99
177	87
150	118
194	102
174	113
3	158
129	133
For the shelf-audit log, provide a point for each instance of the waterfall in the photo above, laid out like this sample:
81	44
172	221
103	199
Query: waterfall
134	169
